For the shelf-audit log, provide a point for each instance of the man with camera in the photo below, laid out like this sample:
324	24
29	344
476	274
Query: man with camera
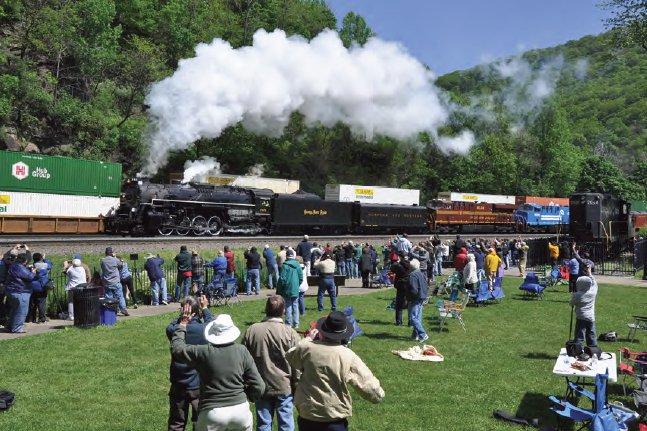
184	393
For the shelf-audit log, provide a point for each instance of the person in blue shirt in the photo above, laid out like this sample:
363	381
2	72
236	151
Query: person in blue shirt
185	381
219	265
155	272
38	301
18	290
127	282
479	258
272	266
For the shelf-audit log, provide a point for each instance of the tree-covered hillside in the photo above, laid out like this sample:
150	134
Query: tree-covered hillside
74	74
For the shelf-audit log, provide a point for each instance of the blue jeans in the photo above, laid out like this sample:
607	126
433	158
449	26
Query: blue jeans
415	314
185	283
115	291
585	329
282	405
292	311
351	268
438	266
272	275
302	303
198	280
341	267
156	286
327	284
253	275
18	308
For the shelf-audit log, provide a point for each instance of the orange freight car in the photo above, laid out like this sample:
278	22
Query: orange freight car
468	216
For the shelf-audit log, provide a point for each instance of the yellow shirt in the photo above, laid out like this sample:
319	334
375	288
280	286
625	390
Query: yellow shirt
492	262
554	250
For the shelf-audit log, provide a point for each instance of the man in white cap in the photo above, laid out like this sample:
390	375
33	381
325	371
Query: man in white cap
228	374
304	249
153	267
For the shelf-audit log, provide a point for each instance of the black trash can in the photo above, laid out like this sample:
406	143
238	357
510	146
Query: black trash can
86	306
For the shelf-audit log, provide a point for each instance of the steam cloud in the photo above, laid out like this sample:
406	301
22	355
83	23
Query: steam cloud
377	89
199	170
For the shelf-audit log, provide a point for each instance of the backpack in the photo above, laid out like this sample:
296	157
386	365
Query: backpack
7	399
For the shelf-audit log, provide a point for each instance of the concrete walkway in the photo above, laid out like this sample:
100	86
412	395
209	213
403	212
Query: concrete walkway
353	288
601	279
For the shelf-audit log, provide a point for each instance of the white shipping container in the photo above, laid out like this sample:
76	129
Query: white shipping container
277	185
53	205
371	194
476	197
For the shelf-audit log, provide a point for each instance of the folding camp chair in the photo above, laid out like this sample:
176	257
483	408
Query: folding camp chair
632	365
532	286
602	416
227	294
639	324
453	310
382	278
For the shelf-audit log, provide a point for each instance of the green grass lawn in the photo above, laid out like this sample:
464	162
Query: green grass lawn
116	378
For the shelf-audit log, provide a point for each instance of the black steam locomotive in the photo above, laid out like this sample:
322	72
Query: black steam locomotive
201	209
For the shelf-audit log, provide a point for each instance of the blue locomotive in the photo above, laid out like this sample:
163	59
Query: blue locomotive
541	218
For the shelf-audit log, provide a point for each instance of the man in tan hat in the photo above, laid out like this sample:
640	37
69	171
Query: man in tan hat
328	368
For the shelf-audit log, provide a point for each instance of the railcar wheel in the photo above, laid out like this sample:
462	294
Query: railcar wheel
165	231
199	225
214	226
184	227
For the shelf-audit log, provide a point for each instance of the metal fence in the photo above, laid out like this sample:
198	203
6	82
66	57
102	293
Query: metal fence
57	298
618	260
640	257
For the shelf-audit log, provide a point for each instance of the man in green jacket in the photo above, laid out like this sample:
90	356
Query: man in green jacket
290	279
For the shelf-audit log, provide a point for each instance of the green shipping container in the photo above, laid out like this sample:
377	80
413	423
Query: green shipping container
36	173
638	206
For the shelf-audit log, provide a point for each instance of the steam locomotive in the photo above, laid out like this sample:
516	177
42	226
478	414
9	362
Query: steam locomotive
202	209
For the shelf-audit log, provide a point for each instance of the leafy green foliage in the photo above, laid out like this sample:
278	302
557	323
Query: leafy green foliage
354	30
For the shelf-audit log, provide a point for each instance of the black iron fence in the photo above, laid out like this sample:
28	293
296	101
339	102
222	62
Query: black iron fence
57	298
640	257
617	259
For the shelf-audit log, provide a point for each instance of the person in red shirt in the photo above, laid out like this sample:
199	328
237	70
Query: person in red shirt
460	260
231	263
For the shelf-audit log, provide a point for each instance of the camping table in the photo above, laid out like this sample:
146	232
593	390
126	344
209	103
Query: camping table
563	368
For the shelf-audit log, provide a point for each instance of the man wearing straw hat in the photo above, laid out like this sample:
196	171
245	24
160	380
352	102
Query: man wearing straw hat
228	374
328	368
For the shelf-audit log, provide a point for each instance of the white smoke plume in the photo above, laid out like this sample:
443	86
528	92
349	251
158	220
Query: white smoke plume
199	170
256	170
376	89
460	143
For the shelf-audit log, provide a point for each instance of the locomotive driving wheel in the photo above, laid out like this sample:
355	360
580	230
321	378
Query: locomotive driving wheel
199	225
184	227
214	226
165	231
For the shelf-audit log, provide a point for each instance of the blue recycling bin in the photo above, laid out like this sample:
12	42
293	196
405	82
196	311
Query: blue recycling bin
108	314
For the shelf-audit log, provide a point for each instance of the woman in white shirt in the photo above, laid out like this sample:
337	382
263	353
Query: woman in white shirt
470	278
75	276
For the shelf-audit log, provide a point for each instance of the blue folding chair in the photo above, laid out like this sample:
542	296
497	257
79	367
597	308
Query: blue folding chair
602	416
532	286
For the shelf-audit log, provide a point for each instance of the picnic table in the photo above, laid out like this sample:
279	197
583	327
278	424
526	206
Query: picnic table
597	366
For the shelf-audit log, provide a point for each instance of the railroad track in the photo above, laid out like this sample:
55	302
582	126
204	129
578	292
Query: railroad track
61	244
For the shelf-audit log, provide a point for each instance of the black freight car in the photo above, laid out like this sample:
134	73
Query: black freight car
376	218
598	217
309	213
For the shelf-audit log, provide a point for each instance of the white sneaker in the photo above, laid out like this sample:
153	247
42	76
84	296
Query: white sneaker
164	303
423	339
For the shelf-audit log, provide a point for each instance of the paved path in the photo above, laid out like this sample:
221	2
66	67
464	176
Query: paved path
602	279
353	288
